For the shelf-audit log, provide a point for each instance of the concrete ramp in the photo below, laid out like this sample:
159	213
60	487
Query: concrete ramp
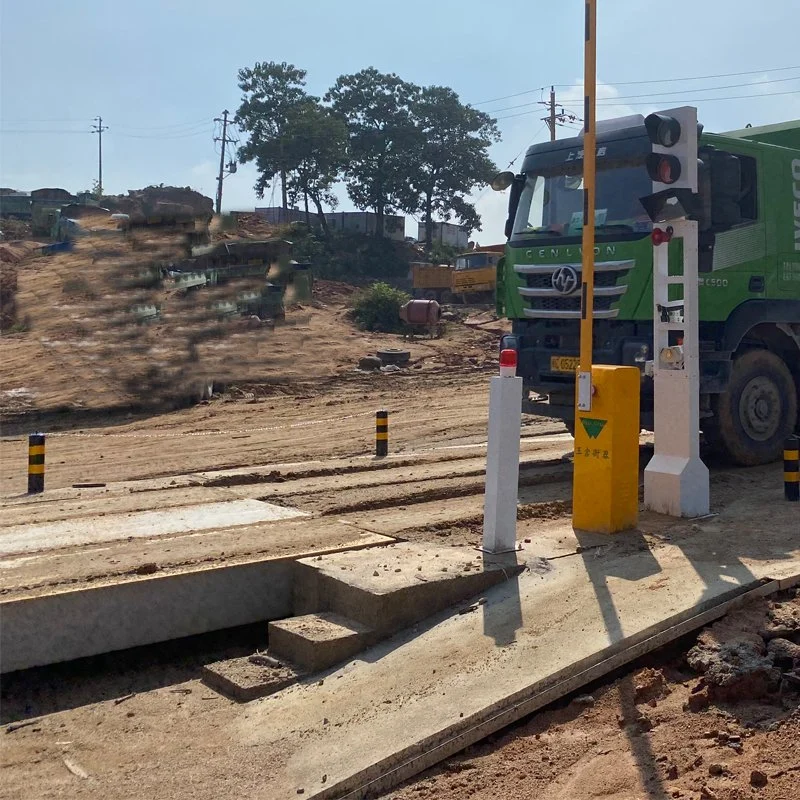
415	699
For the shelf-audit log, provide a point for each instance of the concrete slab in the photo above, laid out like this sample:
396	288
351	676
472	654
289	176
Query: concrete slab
317	641
417	698
18	539
399	585
251	677
32	575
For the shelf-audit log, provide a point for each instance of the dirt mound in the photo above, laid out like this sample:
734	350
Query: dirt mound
15	252
733	657
142	201
15	229
649	685
333	291
253	225
8	291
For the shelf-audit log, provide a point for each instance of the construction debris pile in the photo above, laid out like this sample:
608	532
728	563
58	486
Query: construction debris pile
148	311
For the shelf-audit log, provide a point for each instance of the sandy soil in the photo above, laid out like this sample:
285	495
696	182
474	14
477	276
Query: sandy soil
83	349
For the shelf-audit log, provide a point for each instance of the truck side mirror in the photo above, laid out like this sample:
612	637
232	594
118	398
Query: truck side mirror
703	200
513	202
726	181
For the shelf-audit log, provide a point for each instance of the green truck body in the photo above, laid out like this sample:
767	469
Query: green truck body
749	281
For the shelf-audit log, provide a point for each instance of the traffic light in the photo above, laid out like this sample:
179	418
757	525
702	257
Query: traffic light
672	163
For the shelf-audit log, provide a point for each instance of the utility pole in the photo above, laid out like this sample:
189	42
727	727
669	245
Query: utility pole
556	118
224	141
98	129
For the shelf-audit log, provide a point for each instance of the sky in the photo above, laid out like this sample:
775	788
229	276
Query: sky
160	71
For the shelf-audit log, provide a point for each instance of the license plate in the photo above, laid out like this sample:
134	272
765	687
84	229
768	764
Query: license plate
564	363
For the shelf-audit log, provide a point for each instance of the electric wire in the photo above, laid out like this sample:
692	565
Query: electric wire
636	83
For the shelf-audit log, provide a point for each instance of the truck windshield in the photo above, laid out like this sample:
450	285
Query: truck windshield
553	204
475	261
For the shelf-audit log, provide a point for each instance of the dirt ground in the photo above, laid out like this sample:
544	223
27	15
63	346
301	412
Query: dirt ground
78	348
677	726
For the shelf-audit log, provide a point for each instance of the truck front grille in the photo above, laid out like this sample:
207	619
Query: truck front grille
544	301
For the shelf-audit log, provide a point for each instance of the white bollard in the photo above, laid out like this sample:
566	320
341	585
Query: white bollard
502	458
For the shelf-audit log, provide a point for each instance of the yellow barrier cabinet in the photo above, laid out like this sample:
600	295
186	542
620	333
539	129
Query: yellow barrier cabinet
605	496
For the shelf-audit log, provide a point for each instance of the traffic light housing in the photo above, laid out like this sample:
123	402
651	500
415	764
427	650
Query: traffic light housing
672	163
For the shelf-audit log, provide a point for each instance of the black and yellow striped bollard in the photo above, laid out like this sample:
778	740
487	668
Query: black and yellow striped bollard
35	463
791	469
381	433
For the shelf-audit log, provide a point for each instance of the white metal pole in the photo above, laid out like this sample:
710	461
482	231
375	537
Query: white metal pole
676	481
502	458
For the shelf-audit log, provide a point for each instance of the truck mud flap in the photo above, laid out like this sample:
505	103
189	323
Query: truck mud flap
541	408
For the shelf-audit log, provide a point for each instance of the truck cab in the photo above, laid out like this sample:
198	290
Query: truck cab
748	211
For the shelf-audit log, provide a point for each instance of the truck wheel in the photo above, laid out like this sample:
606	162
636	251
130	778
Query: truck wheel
757	411
394	355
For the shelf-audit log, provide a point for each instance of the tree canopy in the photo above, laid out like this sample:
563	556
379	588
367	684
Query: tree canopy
290	134
378	110
451	159
399	147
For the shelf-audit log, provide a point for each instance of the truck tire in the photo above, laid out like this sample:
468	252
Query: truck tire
394	355
757	411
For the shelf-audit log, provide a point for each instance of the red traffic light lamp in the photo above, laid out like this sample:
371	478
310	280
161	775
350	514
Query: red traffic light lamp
663	168
661	237
662	129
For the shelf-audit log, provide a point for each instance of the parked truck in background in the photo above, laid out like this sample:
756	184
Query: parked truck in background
471	279
749	283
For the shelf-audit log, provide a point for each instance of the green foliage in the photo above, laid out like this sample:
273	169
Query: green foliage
351	257
452	157
442	253
378	308
290	133
400	147
377	108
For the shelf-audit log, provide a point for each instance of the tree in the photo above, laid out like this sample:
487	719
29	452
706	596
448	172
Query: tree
290	133
451	159
377	110
318	146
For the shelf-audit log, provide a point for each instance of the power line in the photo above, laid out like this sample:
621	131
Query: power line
694	100
204	131
611	101
42	131
634	83
663	94
164	127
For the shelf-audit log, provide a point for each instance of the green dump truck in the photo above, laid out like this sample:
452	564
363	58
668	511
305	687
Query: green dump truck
748	212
